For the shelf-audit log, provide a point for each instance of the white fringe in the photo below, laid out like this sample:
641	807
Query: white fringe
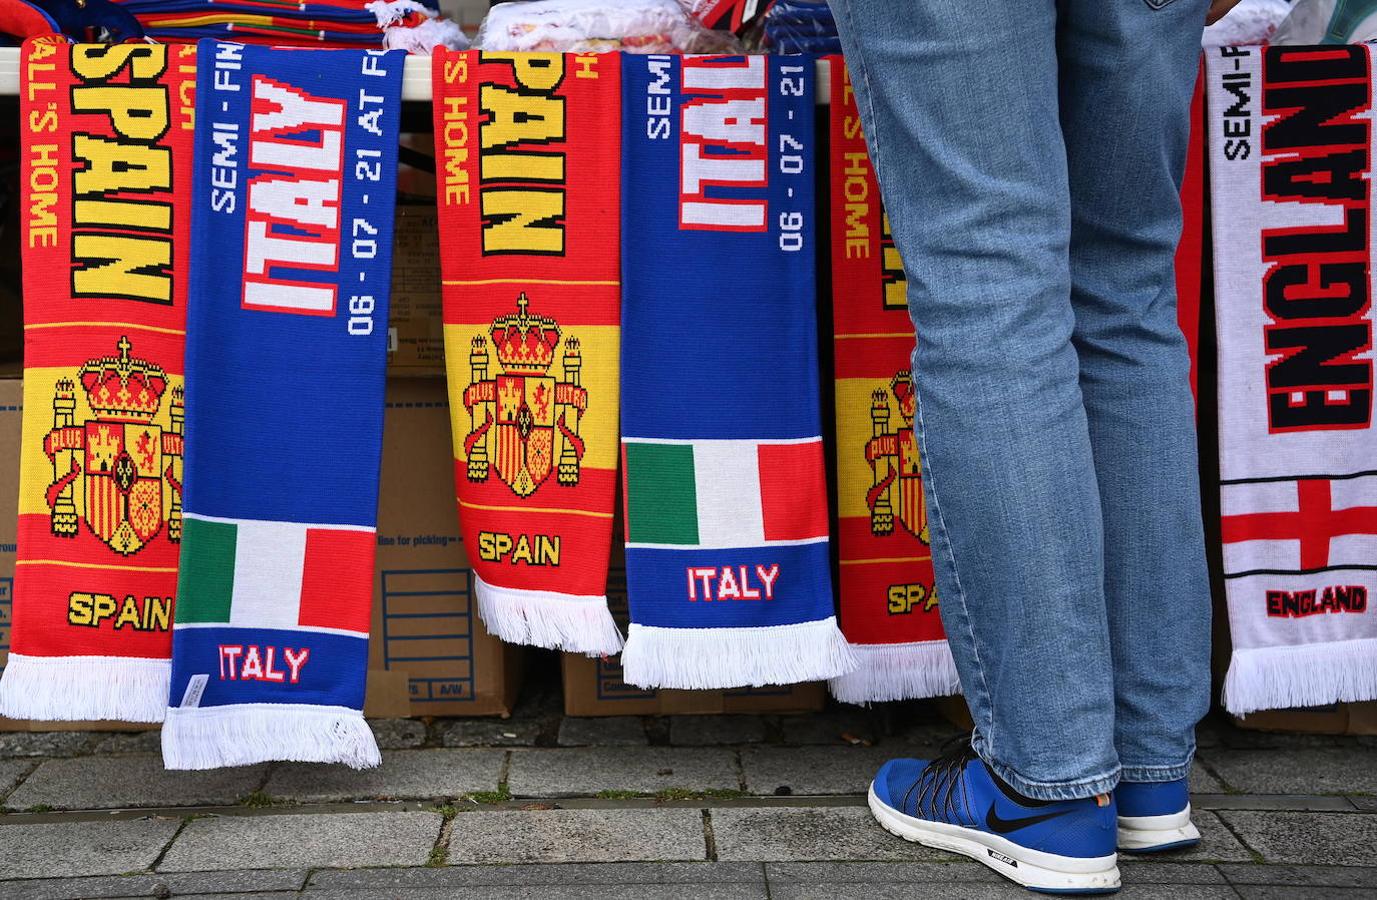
84	688
712	658
1301	675
898	672
243	734
569	622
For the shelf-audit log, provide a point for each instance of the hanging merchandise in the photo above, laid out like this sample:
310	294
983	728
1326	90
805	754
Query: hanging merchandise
329	23
799	26
598	26
888	598
726	500
1290	176
296	159
411	26
106	172
94	21
527	154
1250	22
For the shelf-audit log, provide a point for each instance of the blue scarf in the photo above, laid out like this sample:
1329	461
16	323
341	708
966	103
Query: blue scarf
726	498
286	344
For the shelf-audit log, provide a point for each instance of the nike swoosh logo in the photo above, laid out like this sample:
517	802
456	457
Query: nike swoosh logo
1003	826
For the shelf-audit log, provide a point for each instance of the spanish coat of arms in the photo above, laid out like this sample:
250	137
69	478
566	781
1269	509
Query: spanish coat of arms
524	422
897	484
110	469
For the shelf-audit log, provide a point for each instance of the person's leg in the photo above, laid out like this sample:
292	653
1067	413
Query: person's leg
959	101
1127	73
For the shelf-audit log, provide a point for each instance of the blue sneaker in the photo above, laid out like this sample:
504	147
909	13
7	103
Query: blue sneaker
1155	816
954	803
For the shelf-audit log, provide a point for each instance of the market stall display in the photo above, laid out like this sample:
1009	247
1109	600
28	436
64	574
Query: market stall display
595	26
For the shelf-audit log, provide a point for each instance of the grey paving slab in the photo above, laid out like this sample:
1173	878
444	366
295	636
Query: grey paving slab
1366	804
1166	870
927	736
67	849
179	884
578	835
44	743
876	872
138	779
562	892
308	840
706	731
542	875
403	775
1287	892
398	734
1302	876
1292	802
1306	770
612	731
489	733
978	891
130	742
812	770
11	770
786	834
586	771
1202	782
1217	844
832	726
1324	839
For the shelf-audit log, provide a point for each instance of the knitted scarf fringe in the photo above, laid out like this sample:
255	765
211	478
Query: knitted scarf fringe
715	658
84	688
544	619
215	737
898	672
1301	675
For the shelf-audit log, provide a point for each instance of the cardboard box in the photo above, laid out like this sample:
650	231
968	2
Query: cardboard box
430	654
1339	718
594	687
415	328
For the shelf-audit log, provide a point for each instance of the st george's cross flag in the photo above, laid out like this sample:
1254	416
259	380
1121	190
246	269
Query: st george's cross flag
1291	148
286	346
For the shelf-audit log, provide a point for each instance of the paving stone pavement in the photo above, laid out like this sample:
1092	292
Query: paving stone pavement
1288	816
646	770
304	841
403	775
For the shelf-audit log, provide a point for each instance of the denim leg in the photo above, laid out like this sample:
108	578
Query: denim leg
1127	71
959	100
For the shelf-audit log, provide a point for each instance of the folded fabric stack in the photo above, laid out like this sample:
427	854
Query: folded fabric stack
597	26
320	23
800	26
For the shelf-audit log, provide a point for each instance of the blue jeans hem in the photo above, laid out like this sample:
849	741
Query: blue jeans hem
1078	789
1155	774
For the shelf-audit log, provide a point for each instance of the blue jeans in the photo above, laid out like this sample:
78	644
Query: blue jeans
1030	154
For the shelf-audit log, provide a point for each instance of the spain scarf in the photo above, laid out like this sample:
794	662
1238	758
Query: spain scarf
888	596
725	489
291	261
106	172
528	148
1291	167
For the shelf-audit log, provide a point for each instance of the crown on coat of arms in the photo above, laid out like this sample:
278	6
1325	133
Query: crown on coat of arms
902	386
123	387
525	343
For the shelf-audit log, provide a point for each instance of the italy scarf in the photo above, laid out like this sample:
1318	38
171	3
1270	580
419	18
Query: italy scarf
106	146
1291	151
725	489
528	148
292	222
888	598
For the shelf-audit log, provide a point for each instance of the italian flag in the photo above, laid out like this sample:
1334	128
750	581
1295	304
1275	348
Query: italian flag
287	575
714	494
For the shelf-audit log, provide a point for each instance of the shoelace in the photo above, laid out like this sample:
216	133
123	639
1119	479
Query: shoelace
940	784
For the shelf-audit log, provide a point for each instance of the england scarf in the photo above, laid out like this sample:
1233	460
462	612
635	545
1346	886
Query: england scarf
529	149
888	597
725	490
1290	176
292	218
106	172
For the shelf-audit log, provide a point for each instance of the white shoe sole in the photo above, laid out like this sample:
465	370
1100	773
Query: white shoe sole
1030	868
1153	834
